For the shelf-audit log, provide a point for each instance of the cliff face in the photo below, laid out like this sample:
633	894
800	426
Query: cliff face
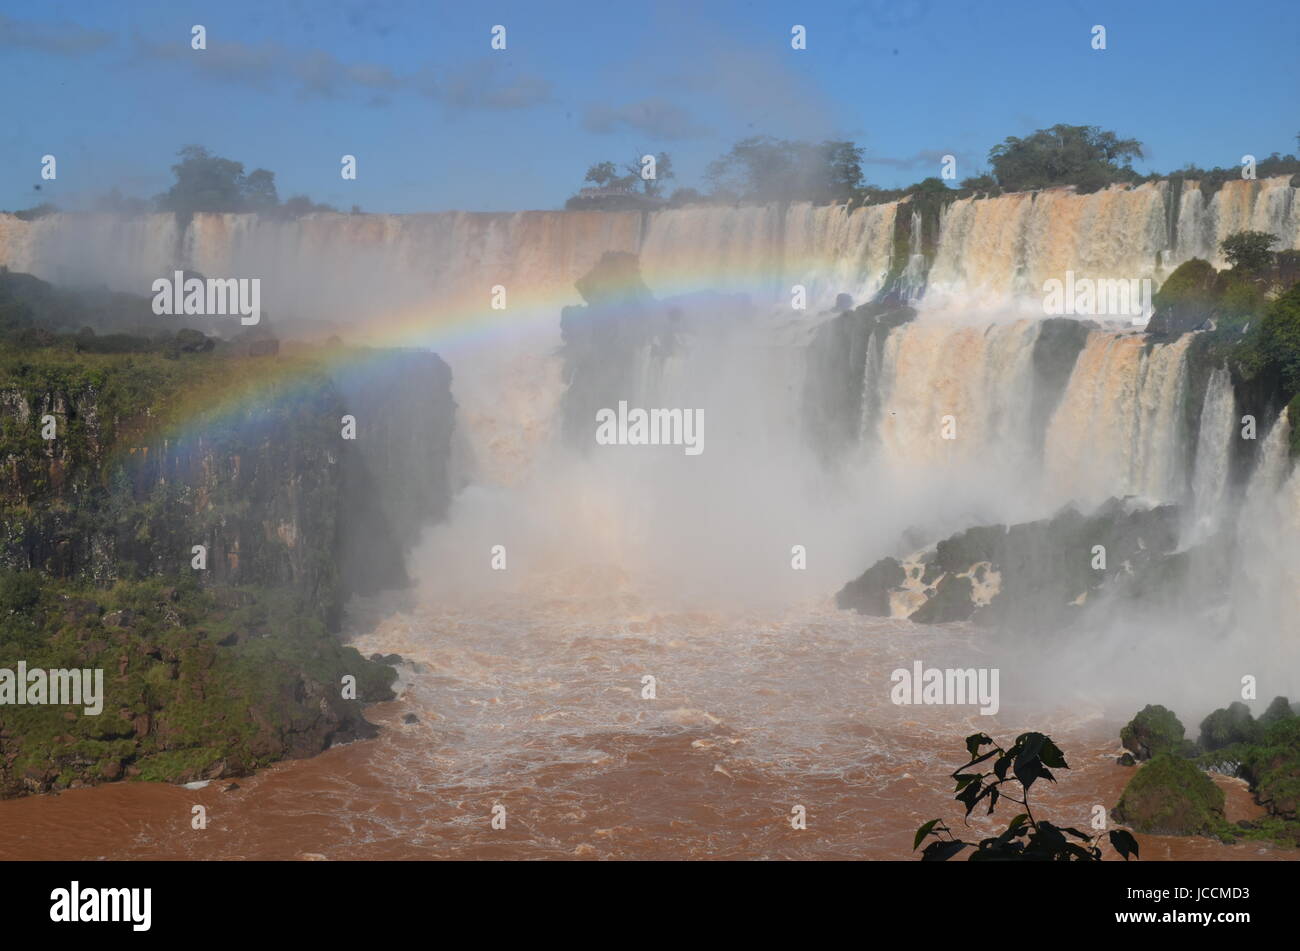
268	485
215	670
257	489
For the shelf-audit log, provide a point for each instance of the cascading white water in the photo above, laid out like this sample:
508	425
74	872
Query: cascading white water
1000	249
712	573
980	376
1117	430
1213	452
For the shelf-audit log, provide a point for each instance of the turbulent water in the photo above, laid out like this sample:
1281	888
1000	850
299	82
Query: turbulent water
527	684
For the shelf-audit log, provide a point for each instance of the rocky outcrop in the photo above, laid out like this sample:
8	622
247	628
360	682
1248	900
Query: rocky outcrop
197	684
1153	731
1170	796
219	661
1173	797
1031	575
259	474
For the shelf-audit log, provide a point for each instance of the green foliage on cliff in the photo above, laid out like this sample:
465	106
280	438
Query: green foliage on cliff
1249	250
761	168
197	683
1278	342
1085	156
209	183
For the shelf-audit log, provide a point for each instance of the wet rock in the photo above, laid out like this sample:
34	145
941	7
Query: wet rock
1278	710
1170	796
1037	575
951	601
869	594
1227	726
1154	730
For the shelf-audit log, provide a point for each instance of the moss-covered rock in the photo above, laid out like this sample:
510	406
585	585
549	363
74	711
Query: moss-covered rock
1186	300
1228	726
192	688
1272	766
1154	730
1280	709
1170	796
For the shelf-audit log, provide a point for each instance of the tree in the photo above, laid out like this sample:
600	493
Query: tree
843	161
761	168
210	183
1279	339
258	191
204	182
1032	758
983	182
651	186
300	205
1248	251
1084	156
602	174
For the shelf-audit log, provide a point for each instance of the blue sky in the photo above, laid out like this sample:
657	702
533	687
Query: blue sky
438	120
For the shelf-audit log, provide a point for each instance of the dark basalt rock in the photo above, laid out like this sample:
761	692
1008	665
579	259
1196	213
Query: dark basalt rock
869	594
951	601
1225	727
1038	574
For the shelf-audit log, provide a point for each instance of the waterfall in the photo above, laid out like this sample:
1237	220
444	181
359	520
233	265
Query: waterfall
981	376
1007	247
833	250
1118	429
1213	451
994	249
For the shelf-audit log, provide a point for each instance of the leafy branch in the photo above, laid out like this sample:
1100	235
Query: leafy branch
1033	757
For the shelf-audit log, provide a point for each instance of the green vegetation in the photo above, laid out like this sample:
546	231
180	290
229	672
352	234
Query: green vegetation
1248	251
1255	310
1026	838
173	442
198	683
765	169
1153	731
209	183
605	175
762	168
1084	156
1170	796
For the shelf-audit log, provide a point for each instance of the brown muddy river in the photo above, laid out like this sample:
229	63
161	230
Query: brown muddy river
545	717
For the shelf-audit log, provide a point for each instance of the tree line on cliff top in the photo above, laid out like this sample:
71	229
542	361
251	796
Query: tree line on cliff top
756	169
763	168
